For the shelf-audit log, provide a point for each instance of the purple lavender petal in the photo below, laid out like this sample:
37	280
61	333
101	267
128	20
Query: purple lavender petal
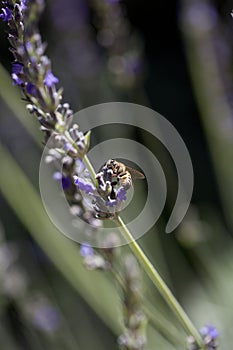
121	194
50	79
84	185
31	89
65	182
16	79
68	147
17	68
23	5
111	202
6	14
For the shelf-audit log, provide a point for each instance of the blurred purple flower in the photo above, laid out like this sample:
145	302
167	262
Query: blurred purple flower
68	147
46	318
65	180
209	334
86	249
80	166
84	185
57	176
23	5
209	331
6	14
50	79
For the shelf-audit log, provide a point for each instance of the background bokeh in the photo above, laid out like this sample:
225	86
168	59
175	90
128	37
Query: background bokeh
175	57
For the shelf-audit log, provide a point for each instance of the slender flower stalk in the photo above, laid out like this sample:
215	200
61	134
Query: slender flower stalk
211	73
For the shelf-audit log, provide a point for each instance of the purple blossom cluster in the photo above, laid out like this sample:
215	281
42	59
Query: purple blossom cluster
209	335
31	69
45	318
42	314
92	259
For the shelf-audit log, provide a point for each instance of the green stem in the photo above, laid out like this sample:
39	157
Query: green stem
160	284
153	274
89	167
207	75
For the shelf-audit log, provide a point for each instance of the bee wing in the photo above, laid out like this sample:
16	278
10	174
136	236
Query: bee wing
136	175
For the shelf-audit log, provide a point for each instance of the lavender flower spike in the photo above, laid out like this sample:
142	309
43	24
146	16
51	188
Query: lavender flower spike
209	334
209	331
31	71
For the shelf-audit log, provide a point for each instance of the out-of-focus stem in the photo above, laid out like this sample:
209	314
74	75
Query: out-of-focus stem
89	167
200	30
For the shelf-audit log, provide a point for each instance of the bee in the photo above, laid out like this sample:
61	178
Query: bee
123	174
